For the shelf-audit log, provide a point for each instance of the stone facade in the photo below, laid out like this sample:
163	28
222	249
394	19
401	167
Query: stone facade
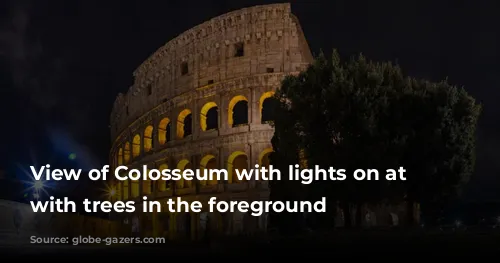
200	101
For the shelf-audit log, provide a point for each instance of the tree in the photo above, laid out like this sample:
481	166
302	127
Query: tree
366	115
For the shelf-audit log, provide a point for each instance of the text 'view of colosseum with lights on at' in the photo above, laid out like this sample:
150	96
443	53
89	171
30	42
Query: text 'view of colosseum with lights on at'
201	101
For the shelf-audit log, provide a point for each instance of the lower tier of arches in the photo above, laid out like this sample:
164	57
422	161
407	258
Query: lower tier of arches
234	153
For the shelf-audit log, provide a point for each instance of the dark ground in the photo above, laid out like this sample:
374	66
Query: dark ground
387	245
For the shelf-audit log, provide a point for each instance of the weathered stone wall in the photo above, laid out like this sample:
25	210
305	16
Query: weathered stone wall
272	41
239	56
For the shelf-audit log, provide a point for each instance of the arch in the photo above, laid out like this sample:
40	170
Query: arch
136	145
266	107
184	124
303	159
209	117
119	160
264	157
147	186
126	153
230	112
125	189
204	225
208	162
250	223
182	165
163	185
184	221
148	138
238	160
164	129
119	187
134	188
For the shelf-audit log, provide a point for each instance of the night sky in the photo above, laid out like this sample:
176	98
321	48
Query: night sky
62	63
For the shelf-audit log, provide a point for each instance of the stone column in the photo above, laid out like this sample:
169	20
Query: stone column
255	111
223	112
154	136
141	141
195	164
251	163
195	113
173	125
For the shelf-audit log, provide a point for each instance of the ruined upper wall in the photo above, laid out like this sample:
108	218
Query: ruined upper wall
249	41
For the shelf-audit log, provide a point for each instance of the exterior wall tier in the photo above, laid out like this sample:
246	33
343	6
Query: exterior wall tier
203	101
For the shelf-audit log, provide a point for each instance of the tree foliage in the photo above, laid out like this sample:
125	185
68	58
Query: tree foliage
359	114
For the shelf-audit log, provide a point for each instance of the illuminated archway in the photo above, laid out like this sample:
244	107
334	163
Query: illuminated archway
119	160
136	145
148	138
119	188
126	153
208	162
266	104
184	124
237	161
209	117
164	129
163	185
147	186
264	157
134	188
303	159
125	189
240	102
183	165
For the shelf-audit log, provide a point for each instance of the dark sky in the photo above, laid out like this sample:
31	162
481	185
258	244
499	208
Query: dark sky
63	63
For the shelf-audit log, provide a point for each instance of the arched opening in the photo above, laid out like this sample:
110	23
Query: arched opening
267	104
227	222
163	185
250	223
238	111
119	160
183	222
237	161
264	157
208	162
164	129
119	188
136	145
135	225
183	165
134	188
164	218
125	190
209	119
184	124
303	159
204	224
148	138
126	153
147	186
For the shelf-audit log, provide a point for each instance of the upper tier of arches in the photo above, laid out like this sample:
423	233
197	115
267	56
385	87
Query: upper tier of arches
242	44
203	118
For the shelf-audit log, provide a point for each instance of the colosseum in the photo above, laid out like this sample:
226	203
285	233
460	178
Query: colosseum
202	101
